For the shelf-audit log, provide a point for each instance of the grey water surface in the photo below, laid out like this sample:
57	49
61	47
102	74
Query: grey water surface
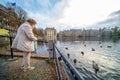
106	54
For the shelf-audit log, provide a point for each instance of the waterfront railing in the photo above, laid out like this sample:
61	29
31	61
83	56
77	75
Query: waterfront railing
70	70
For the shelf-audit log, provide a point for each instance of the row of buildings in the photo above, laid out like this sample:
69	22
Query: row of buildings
51	34
86	33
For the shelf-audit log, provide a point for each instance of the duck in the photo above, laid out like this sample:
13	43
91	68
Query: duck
99	42
66	48
95	67
68	55
93	49
85	45
82	53
75	61
109	46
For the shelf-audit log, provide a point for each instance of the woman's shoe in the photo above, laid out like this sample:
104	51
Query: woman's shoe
31	68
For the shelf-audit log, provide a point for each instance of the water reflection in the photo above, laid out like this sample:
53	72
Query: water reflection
42	49
108	58
115	39
84	39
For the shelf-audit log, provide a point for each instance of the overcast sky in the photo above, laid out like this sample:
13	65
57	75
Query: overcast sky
66	14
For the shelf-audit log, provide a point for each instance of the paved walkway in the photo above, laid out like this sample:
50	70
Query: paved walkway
10	70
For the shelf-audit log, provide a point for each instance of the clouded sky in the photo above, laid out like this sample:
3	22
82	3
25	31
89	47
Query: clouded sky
66	14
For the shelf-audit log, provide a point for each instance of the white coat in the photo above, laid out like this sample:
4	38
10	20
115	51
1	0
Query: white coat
24	40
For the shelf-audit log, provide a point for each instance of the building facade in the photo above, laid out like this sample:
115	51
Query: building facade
86	33
50	34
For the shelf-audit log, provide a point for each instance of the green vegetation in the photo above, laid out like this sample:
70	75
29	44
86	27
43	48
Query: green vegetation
115	34
4	32
47	60
4	41
116	31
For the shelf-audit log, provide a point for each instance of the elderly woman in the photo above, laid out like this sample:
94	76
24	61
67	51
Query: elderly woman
24	42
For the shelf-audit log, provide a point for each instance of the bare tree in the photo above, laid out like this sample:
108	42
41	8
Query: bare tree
19	13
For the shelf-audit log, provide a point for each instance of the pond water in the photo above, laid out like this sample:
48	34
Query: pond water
42	49
106	55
